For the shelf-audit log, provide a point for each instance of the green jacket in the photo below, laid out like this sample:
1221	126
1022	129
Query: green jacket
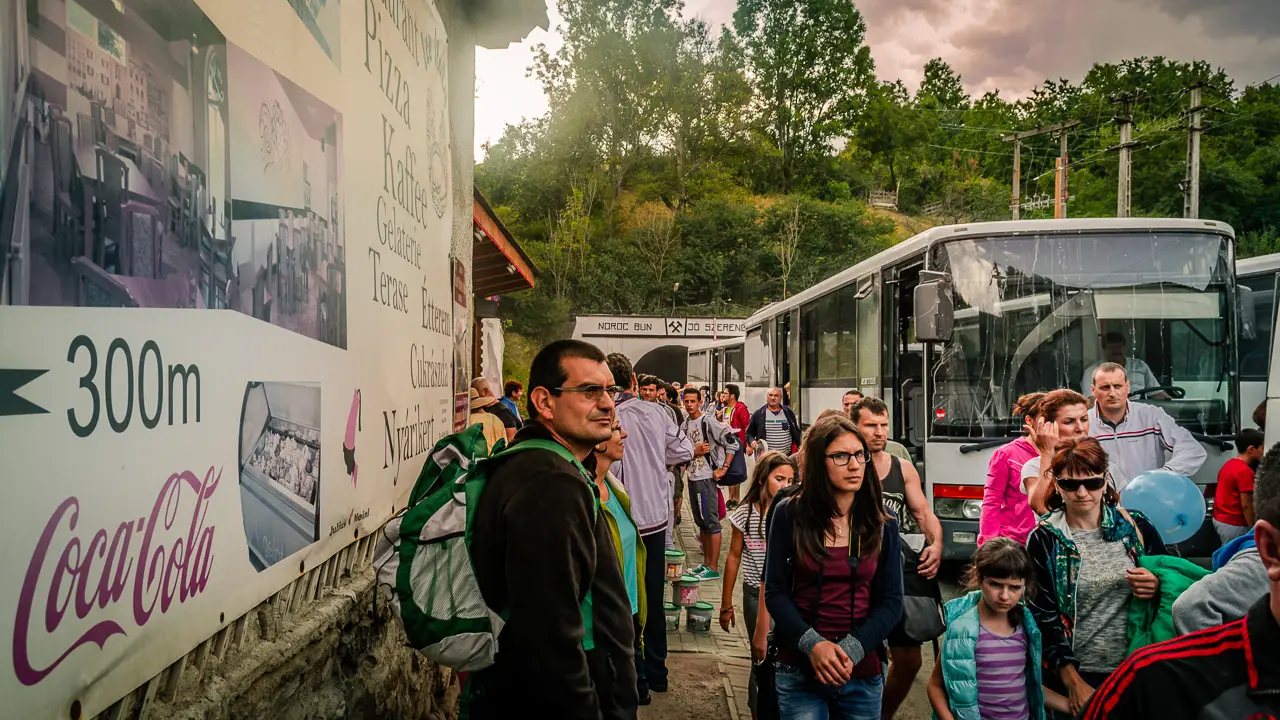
624	500
1151	621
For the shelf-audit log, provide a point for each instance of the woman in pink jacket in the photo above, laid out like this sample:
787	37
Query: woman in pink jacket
1005	512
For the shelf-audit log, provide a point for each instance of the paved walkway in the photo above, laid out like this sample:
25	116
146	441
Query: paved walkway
732	649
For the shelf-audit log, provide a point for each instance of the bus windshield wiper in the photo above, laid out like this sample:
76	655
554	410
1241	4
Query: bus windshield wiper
985	444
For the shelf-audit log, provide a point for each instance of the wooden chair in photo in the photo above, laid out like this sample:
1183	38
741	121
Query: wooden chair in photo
112	194
97	288
143	243
84	129
68	212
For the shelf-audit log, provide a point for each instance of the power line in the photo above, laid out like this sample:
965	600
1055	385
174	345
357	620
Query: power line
971	150
976	129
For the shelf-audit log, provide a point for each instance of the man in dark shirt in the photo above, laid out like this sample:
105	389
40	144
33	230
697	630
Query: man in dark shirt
509	421
1231	671
541	548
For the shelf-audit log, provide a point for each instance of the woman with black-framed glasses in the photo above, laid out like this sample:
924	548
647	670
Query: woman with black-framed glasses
1086	552
833	580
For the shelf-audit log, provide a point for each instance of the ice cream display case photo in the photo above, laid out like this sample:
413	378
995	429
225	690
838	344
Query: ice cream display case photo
279	469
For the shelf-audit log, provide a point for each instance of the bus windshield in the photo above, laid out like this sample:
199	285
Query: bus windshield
1040	312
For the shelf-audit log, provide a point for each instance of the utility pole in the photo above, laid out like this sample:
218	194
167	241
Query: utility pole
1191	186
1017	138
1016	205
1060	179
1124	194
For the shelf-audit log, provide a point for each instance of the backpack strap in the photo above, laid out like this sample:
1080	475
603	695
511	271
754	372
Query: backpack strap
588	622
563	452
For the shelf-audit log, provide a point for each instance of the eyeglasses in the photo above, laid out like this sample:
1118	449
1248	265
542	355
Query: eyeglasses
840	459
590	392
1092	484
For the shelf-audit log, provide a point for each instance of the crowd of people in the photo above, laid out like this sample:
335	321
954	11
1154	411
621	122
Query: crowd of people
1075	606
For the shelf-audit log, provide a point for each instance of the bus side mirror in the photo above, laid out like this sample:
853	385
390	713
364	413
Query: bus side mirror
934	311
1248	314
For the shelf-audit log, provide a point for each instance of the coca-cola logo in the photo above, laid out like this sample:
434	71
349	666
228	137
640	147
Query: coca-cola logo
158	568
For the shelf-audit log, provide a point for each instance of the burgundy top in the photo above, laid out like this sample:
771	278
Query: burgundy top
833	619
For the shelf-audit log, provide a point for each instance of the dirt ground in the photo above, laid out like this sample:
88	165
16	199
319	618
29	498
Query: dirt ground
697	690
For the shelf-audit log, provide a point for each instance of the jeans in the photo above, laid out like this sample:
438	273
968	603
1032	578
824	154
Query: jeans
1227	533
750	609
703	501
651	664
802	697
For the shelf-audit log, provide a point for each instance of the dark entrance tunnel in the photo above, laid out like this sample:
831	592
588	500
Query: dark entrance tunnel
669	362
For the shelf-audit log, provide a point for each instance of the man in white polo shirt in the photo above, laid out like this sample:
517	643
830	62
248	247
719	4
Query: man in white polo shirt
1136	435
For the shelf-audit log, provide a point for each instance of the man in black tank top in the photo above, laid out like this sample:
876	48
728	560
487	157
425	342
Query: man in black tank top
919	528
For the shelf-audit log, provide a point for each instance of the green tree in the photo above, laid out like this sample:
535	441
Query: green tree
941	88
891	129
810	70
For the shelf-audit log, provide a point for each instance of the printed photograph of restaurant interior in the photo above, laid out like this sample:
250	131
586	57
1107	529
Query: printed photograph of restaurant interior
286	164
130	183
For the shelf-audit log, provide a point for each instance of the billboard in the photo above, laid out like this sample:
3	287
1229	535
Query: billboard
219	363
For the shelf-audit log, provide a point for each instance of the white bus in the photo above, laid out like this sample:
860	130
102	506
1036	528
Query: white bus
1256	279
716	364
1031	303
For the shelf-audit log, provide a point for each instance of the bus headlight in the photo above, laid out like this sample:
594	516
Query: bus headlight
957	509
957	502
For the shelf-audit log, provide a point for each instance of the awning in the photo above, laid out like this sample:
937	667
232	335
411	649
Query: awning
498	23
498	264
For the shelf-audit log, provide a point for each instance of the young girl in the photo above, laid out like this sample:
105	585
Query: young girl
833	581
990	663
773	472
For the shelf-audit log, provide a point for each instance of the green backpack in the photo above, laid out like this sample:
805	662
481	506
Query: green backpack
423	557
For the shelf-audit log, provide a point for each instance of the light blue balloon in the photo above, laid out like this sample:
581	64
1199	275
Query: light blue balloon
1173	504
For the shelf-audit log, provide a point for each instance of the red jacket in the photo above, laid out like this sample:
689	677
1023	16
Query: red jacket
739	419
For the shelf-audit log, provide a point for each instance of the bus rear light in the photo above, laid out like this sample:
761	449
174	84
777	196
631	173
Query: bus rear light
962	492
957	502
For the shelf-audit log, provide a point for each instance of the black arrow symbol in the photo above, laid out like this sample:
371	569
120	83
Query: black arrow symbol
11	381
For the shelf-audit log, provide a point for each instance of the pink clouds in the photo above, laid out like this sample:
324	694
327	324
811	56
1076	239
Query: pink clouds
1010	45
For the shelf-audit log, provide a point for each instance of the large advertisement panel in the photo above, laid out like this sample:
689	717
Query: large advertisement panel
221	363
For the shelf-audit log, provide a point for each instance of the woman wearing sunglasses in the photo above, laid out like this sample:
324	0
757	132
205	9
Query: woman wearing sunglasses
833	580
1086	552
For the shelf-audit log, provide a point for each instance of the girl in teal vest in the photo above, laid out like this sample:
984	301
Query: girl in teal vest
990	663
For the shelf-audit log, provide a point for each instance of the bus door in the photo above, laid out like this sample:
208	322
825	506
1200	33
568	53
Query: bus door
905	361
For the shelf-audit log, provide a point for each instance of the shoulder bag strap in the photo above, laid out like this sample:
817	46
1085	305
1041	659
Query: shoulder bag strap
1136	530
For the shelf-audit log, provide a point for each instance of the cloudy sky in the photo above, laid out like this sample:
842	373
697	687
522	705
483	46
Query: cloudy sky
1010	45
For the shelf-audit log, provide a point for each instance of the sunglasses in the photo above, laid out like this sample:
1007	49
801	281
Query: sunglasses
590	392
1092	484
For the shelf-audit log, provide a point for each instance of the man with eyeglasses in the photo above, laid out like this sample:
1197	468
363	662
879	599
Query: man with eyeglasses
1136	435
654	442
921	535
539	546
